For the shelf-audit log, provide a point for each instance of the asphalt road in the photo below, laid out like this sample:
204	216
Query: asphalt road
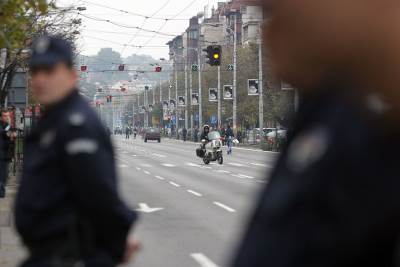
191	214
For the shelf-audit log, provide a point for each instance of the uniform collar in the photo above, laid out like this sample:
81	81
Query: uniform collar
58	107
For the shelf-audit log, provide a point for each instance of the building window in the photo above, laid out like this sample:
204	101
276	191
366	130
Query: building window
193	35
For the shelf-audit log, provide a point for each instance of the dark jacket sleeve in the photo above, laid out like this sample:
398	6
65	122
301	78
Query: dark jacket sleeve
91	176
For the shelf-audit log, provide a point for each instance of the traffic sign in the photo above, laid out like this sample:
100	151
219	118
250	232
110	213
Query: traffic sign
195	67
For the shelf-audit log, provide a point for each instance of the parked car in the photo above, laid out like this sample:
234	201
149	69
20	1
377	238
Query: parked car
152	134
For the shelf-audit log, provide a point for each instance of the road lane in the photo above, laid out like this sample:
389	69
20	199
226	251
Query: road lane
198	210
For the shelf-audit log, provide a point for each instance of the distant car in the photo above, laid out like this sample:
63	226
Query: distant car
152	134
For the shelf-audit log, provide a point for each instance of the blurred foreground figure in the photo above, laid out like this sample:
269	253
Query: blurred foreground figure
68	211
333	198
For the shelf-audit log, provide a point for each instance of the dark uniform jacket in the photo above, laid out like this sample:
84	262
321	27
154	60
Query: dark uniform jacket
68	202
333	198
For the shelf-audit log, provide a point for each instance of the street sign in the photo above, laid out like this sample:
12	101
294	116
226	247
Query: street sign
252	87
181	101
195	67
213	95
231	67
165	105
228	92
172	104
195	99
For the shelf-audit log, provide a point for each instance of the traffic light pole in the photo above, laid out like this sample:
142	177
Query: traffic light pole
234	108
154	95
200	90
260	84
190	97
160	89
186	96
176	100
219	97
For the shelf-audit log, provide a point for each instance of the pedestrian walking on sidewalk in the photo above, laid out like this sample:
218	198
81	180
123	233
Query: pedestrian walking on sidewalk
68	211
8	145
127	132
184	133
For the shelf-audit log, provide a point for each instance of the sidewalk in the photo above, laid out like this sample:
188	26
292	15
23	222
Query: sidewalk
11	250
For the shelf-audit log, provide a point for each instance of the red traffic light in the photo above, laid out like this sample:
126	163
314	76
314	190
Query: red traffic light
83	68
121	67
158	69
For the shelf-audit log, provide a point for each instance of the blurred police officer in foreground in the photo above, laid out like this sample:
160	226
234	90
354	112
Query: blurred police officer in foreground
68	211
333	198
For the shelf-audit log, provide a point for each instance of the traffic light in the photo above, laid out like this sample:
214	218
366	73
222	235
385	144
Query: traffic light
158	69
214	55
121	67
83	68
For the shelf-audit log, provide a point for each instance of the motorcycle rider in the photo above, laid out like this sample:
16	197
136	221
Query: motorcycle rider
204	134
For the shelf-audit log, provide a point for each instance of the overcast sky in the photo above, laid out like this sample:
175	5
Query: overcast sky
97	34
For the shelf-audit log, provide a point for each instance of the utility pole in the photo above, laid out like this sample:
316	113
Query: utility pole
234	108
219	97
146	100
176	100
200	90
260	83
154	95
190	97
160	89
186	95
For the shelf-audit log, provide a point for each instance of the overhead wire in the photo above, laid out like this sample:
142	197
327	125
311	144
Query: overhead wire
135	13
144	22
166	21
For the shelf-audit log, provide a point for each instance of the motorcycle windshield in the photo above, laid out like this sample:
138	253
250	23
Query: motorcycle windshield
214	136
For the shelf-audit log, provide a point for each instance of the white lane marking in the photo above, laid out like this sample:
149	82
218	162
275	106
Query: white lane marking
191	164
143	207
168	165
146	165
174	184
255	150
147	172
134	155
194	193
259	164
236	164
123	166
159	177
202	260
242	176
159	155
246	176
137	168
225	207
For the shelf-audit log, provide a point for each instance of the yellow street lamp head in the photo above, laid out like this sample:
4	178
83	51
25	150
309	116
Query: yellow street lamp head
216	56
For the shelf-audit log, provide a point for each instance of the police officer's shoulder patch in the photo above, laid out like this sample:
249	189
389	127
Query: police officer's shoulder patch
307	148
77	119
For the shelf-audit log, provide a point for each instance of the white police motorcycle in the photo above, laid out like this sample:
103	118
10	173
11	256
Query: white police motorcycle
211	150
